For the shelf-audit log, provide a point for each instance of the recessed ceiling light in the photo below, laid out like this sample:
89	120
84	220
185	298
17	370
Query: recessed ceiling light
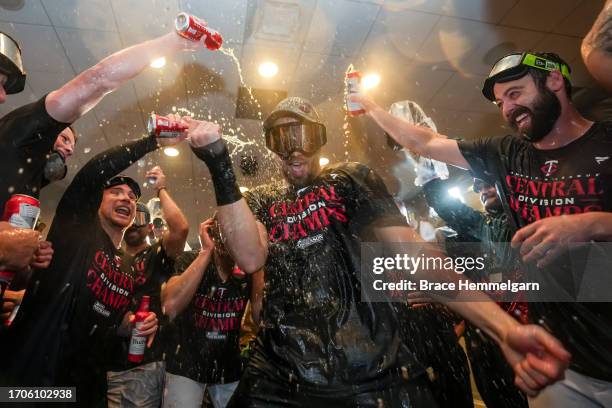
158	63
243	189
171	151
323	161
370	81
268	69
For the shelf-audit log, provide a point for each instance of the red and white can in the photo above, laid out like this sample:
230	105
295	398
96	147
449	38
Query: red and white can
138	343
161	126
195	29
20	211
352	84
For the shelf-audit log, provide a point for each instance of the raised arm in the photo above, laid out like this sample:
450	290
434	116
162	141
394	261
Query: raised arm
82	93
174	238
245	238
597	47
420	139
179	290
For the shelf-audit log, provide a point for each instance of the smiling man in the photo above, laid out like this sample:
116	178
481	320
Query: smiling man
72	311
555	181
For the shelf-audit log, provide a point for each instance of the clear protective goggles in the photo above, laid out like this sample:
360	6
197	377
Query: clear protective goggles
515	66
288	138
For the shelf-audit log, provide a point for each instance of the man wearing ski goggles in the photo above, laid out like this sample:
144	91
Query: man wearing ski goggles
295	133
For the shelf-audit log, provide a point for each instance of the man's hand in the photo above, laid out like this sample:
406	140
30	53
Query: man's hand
201	132
363	99
43	255
11	300
538	359
148	329
207	243
160	178
547	238
17	246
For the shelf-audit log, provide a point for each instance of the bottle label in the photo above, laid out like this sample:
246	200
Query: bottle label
137	343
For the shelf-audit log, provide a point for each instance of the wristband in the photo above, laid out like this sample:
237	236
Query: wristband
217	159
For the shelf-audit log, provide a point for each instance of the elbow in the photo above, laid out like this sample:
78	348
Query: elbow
252	264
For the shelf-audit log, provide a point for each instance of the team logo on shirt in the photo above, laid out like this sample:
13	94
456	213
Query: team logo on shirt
550	167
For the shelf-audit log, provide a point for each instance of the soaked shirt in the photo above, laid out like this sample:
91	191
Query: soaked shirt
537	184
206	348
316	327
27	135
72	309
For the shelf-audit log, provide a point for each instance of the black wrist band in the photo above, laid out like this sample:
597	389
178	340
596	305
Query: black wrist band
217	159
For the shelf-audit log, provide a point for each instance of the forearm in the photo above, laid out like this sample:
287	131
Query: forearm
83	92
179	290
178	227
597	47
599	225
486	315
244	239
415	138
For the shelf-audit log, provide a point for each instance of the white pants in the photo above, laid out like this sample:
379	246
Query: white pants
575	391
184	392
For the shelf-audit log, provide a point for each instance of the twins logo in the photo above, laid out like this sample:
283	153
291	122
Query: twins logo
550	167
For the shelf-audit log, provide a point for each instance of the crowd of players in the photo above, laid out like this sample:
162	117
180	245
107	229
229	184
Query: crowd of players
268	256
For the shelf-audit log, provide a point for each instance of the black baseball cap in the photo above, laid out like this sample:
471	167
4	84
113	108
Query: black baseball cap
123	179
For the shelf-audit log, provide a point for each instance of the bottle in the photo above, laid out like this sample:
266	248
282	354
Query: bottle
352	84
138	343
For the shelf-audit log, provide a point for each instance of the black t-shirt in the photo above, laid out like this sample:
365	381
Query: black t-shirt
150	268
315	326
72	309
536	184
207	348
27	135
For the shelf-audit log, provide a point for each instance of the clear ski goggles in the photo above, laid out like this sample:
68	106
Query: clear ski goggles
515	66
288	138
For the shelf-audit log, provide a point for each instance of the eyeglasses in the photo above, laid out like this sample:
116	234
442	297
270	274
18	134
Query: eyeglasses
288	138
141	219
515	66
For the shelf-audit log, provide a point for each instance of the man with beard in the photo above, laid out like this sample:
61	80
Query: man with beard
320	345
206	301
142	384
555	183
73	310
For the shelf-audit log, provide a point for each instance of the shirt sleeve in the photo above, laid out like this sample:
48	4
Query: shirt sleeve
460	217
31	129
81	200
484	156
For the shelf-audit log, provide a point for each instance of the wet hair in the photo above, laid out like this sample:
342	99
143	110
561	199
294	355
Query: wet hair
539	76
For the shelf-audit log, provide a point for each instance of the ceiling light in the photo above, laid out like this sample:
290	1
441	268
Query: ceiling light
323	161
370	81
171	151
268	69
455	192
158	63
243	189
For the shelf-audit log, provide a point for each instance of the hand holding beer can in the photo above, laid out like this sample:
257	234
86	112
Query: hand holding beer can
195	29
161	126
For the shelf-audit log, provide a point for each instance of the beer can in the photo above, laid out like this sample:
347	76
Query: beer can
195	29
190	27
352	84
161	126
21	211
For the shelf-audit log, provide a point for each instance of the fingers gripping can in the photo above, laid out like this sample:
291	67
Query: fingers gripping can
161	126
352	84
20	211
195	29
